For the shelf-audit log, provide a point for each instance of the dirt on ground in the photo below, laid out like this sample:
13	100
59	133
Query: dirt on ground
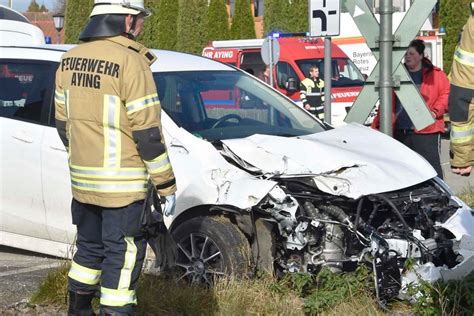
25	308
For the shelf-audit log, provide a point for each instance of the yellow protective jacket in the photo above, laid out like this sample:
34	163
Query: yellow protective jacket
312	93
461	99
108	116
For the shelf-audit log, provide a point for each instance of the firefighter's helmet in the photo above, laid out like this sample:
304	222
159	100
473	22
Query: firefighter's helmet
108	18
133	7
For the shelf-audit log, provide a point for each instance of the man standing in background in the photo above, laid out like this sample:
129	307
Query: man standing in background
312	93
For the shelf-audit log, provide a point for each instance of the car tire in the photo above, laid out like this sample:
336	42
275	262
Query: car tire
264	247
209	247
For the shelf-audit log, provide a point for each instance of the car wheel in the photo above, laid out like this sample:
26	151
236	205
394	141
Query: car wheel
209	247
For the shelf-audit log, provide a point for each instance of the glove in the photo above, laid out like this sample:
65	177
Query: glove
168	204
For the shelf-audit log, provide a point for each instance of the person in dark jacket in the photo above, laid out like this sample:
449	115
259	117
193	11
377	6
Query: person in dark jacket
312	93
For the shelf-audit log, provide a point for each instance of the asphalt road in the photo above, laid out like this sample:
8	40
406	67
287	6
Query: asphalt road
22	272
457	183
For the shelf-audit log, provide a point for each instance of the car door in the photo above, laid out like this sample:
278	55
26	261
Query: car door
24	114
57	189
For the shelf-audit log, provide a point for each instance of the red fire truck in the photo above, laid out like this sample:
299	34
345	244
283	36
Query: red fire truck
297	54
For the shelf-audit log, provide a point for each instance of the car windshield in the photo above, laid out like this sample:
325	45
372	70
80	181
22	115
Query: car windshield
344	72
217	105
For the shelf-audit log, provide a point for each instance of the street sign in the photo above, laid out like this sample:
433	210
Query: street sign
270	51
324	17
406	91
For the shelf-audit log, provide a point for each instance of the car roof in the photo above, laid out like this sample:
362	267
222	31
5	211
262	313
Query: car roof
167	61
9	14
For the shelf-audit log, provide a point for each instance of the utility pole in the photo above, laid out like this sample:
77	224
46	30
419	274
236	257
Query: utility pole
10	4
327	79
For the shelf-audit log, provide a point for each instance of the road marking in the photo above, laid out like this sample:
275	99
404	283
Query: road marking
31	269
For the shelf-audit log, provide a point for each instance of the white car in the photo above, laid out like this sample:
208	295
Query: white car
260	181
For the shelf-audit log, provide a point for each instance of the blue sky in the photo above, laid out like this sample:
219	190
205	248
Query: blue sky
22	5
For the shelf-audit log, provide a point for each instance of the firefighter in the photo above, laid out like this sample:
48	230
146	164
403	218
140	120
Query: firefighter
461	101
108	116
312	93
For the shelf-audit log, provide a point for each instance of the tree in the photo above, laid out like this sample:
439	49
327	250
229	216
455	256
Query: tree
148	36
298	16
243	25
275	17
453	16
191	35
217	21
202	7
165	28
33	7
77	15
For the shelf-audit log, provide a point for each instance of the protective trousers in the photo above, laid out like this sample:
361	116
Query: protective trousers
110	253
462	141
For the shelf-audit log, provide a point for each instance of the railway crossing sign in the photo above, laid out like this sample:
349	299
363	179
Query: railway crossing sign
406	91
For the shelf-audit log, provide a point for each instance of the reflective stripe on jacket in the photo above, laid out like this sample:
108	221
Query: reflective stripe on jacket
462	141
462	70
309	89
106	95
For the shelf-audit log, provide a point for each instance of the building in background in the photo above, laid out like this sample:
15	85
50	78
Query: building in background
44	20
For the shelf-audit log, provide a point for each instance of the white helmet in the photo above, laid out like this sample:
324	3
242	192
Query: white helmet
133	7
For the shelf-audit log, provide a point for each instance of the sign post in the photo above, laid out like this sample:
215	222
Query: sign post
324	20
270	53
386	82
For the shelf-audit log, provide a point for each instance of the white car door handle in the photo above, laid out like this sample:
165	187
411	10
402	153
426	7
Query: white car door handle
23	138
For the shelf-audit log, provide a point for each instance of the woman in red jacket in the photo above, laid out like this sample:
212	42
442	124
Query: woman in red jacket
434	88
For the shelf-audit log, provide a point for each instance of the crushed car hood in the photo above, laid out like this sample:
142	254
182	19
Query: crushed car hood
351	161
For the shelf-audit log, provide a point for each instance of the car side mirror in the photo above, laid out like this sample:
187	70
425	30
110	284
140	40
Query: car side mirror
291	85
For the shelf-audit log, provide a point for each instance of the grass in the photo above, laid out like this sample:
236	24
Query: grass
295	294
54	288
467	195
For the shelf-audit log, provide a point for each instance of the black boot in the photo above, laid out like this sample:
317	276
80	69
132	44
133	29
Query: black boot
80	304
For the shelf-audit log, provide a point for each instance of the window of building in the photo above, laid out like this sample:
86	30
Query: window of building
232	7
258	7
